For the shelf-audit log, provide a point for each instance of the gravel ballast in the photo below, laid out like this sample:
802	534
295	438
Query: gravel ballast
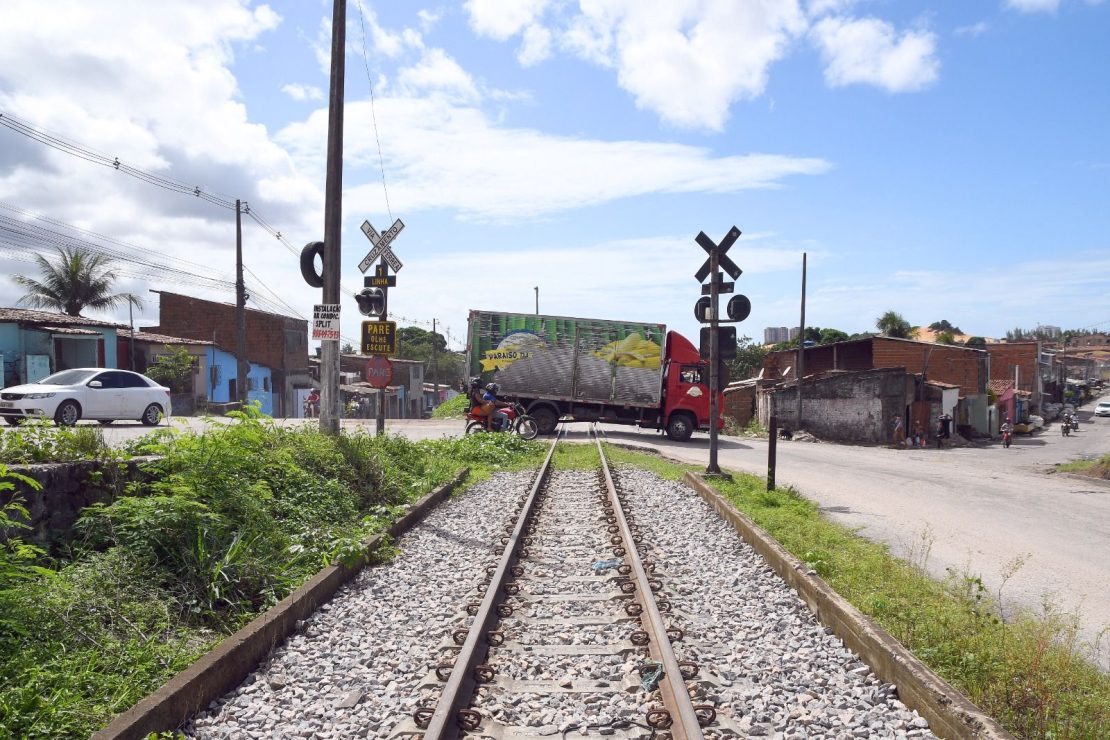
357	668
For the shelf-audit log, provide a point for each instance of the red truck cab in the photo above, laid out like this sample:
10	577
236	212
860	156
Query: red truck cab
686	389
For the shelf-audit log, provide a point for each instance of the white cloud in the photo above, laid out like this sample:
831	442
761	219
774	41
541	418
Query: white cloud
870	51
155	88
976	29
428	19
437	72
1033	6
536	46
301	92
443	155
502	19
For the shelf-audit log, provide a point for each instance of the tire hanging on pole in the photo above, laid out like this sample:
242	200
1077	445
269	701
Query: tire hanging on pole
308	264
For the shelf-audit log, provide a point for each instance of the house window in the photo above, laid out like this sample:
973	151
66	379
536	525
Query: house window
266	384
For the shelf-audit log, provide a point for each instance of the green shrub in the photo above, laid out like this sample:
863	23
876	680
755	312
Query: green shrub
40	441
454	408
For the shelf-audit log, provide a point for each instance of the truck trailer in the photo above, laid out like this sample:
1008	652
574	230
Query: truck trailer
618	372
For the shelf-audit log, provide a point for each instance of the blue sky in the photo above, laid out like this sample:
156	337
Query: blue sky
941	159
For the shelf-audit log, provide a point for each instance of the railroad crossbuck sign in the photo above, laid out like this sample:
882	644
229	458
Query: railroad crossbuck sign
381	244
726	264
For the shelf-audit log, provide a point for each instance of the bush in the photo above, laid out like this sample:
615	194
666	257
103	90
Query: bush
454	408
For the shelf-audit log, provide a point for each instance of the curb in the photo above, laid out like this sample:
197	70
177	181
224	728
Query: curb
225	666
950	713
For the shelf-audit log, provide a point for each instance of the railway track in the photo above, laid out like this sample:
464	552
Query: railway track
570	604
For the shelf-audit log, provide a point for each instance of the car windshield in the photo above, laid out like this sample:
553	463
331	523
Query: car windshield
68	377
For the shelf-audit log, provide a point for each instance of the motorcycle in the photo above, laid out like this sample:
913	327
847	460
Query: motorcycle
1007	437
1075	422
1065	427
516	421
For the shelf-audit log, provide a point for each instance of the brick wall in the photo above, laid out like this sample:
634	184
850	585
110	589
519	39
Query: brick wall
960	366
850	407
195	318
1006	356
740	403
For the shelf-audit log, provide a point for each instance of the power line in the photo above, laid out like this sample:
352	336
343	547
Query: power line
373	112
67	146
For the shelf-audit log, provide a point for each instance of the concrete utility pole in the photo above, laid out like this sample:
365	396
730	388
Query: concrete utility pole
537	300
801	346
435	368
333	220
242	363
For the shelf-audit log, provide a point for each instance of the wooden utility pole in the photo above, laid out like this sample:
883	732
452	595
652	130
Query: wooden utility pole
242	363
801	347
333	220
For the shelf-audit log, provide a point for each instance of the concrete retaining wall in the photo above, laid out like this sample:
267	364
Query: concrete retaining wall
67	489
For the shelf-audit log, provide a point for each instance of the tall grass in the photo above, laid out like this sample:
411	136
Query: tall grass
236	519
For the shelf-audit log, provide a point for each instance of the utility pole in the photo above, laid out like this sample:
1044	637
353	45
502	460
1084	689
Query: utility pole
242	364
333	220
537	289
131	319
801	346
435	368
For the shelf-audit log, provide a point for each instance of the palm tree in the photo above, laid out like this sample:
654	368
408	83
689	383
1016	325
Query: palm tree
82	280
891	324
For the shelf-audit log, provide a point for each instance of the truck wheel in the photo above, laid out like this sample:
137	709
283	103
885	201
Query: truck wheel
680	427
546	419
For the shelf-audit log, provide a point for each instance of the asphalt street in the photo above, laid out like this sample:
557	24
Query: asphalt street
978	510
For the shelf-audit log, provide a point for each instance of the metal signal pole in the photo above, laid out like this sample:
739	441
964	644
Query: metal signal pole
714	359
801	346
333	220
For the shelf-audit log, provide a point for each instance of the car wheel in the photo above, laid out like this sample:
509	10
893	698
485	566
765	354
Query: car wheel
679	427
546	419
152	415
68	414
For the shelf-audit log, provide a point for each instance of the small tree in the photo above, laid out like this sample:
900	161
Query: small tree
976	342
173	370
891	324
946	337
748	361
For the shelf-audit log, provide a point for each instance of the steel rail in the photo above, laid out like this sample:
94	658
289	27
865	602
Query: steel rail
459	689
672	686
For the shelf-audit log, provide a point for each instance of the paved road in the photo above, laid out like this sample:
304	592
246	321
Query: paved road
977	509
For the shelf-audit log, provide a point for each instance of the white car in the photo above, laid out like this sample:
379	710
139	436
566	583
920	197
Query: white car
1103	408
87	393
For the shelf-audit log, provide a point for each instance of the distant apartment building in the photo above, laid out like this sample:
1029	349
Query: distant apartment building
776	334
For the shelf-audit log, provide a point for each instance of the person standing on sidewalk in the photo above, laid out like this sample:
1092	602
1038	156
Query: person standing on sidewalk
897	431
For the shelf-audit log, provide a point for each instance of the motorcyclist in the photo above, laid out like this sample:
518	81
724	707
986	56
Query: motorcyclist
475	401
1007	428
499	419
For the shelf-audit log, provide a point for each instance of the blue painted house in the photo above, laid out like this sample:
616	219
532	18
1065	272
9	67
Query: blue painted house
221	380
34	344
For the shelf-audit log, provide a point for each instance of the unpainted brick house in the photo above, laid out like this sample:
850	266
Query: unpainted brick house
277	342
852	389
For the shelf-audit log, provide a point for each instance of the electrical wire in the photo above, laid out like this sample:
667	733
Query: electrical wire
373	112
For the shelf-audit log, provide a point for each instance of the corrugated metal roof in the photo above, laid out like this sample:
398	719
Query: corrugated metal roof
151	337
